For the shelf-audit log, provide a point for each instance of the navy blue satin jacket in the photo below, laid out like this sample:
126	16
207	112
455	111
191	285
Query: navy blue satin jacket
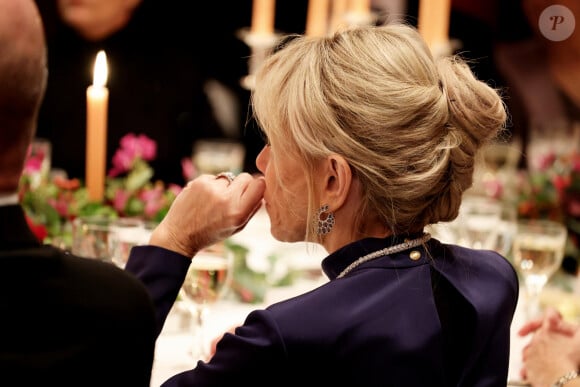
438	318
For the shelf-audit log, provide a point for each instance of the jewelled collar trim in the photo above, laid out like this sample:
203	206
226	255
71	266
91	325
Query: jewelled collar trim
406	245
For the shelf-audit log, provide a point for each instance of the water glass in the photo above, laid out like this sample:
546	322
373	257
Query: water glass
90	237
124	233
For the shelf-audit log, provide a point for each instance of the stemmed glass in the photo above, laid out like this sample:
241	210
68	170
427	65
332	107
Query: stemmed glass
538	251
215	156
478	222
124	233
206	282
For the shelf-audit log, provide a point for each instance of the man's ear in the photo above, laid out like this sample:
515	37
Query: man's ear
337	180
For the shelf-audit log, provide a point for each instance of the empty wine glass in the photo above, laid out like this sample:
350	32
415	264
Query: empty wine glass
124	233
478	222
206	282
538	251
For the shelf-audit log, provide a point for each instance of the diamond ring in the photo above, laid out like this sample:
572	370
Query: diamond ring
228	175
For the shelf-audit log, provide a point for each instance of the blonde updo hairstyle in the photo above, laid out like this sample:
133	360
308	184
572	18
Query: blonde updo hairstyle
408	125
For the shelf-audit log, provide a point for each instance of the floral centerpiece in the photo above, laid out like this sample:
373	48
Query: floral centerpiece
553	192
549	190
51	203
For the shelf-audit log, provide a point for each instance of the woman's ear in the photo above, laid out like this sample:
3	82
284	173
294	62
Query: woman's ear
337	177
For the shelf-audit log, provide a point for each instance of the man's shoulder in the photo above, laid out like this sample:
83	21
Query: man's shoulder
52	266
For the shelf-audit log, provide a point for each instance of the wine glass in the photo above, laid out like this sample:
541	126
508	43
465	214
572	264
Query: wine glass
124	233
538	251
206	282
478	221
215	156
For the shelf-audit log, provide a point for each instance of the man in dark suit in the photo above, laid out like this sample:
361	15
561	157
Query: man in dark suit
64	320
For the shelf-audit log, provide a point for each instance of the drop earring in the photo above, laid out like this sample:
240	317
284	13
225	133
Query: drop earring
325	220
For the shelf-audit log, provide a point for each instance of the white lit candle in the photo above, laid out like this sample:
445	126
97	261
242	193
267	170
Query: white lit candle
359	12
338	14
96	146
263	17
434	23
360	7
317	18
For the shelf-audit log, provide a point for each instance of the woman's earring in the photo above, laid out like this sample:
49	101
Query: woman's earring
325	220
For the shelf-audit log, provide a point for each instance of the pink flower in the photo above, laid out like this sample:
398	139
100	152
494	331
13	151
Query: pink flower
174	189
573	207
132	147
120	200
153	199
33	161
188	169
493	188
546	161
575	162
122	162
60	205
139	146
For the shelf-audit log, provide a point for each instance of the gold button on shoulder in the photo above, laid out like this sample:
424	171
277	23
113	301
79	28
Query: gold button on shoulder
415	255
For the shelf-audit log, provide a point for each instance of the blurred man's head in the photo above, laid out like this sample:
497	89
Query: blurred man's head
23	75
97	19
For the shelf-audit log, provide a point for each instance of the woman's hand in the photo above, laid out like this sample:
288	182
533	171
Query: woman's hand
553	350
209	209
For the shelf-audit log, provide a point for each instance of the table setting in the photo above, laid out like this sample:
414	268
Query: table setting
261	270
105	215
528	215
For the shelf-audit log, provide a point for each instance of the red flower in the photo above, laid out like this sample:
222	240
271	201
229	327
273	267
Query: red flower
39	230
67	184
546	161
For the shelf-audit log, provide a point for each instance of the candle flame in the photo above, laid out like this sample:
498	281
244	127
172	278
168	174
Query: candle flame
100	72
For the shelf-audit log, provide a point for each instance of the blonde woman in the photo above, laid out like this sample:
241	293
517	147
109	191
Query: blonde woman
369	140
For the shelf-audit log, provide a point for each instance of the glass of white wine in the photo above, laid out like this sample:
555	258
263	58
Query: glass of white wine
206	282
215	156
538	251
